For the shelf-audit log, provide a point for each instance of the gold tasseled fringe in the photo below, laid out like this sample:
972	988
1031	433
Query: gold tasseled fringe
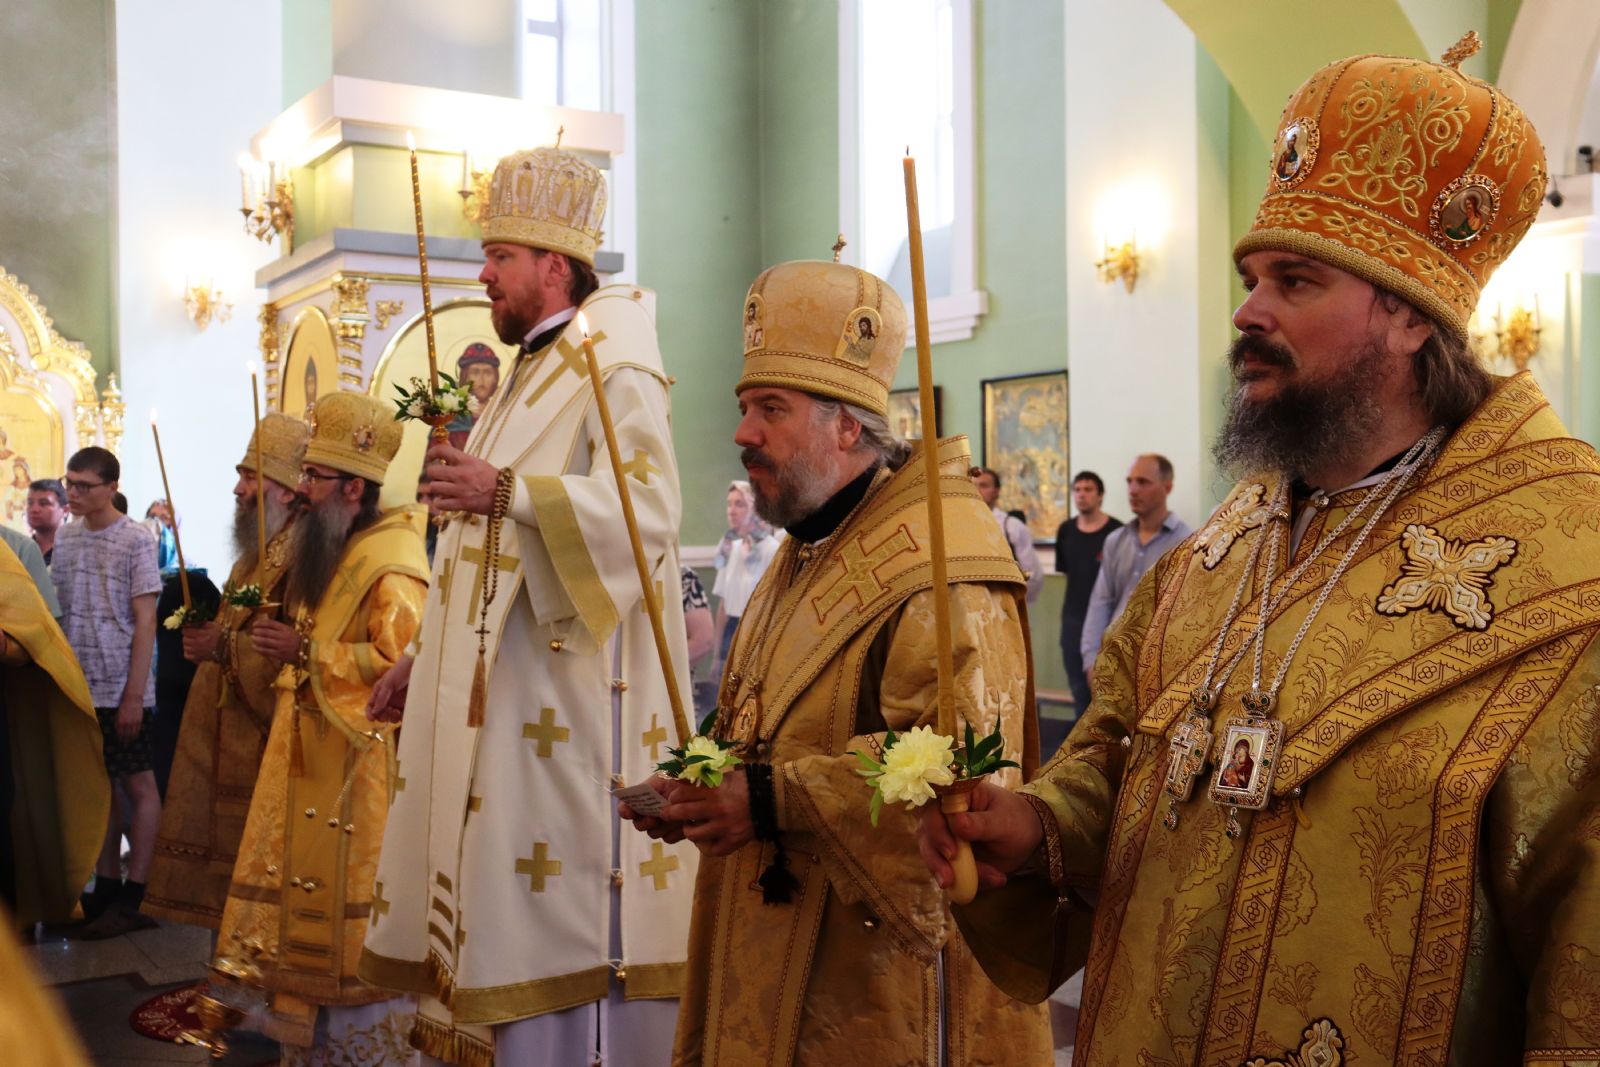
452	1046
480	693
444	983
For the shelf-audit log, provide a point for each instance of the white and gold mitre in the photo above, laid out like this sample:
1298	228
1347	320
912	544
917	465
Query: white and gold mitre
546	198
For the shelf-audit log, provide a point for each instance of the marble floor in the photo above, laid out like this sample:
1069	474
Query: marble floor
102	982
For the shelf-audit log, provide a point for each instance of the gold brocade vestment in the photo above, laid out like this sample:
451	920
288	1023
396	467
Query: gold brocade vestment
839	635
1424	884
303	889
62	795
225	721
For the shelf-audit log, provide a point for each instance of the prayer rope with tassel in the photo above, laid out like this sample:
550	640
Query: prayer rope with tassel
488	585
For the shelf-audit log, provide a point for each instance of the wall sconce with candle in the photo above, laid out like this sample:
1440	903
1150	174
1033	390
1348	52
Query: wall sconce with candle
267	200
205	303
1517	334
474	189
1120	262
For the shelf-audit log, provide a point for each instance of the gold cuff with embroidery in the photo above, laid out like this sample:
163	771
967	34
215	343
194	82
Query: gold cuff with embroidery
1050	846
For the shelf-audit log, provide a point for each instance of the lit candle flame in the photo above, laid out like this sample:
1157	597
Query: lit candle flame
250	366
152	416
411	142
583	324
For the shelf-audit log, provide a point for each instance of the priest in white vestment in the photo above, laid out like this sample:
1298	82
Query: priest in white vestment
533	930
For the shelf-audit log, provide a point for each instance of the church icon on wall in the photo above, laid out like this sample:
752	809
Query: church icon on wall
478	368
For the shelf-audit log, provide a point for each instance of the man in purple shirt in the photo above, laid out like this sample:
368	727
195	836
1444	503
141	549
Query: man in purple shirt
106	578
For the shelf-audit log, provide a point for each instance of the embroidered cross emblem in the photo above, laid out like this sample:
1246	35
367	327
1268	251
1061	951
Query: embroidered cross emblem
1446	575
546	732
380	907
1243	514
475	555
860	571
572	359
639	467
474	804
654	737
538	867
658	865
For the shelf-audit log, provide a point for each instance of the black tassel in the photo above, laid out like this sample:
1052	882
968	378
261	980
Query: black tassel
778	884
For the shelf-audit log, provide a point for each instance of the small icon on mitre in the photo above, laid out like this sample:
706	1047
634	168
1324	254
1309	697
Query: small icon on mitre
364	438
755	335
862	329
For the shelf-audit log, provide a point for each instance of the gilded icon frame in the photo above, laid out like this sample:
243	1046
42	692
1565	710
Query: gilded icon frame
905	412
1025	440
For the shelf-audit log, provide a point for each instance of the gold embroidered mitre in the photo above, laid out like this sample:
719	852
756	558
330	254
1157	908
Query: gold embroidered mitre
1412	175
353	433
546	198
824	328
283	448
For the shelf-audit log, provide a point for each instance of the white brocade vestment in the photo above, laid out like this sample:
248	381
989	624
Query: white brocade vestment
502	871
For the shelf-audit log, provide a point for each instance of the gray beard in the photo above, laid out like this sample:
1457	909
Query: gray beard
316	544
1307	424
803	487
244	526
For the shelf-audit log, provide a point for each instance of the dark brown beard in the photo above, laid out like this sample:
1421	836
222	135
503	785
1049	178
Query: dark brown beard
1306	424
316	544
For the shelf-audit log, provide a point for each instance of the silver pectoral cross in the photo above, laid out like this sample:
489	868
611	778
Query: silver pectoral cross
1186	754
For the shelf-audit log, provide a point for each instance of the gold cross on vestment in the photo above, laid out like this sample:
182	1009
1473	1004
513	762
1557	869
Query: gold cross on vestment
658	865
654	737
539	866
380	907
445	572
661	591
546	732
475	555
640	467
572	359
860	569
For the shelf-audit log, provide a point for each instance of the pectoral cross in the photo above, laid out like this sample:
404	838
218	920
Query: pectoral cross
539	866
654	737
657	866
475	555
1186	755
546	732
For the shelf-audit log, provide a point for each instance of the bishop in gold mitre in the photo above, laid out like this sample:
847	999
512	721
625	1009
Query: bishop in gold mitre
819	938
302	890
1337	797
532	928
231	700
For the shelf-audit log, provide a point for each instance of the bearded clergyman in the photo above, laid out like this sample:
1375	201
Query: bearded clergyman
1337	798
231	700
532	928
302	890
818	937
